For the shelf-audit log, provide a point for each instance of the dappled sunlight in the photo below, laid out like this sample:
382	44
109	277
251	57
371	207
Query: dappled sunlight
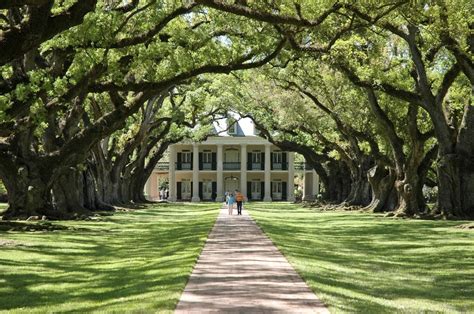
358	262
132	261
241	271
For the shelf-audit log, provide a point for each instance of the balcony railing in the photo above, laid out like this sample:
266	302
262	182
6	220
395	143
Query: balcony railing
163	166
234	166
256	166
208	166
184	166
231	165
280	166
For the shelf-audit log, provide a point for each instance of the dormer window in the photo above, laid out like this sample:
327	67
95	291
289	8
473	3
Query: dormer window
232	127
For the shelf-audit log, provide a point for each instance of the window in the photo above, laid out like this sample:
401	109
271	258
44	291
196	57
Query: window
255	185
186	186
186	157
256	157
276	187
207	157
186	160
207	187
277	157
232	125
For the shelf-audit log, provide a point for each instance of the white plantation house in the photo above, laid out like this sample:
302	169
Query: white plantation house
236	158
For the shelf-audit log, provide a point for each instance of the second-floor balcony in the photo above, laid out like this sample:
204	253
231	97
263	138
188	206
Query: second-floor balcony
279	166
255	166
232	165
184	166
208	166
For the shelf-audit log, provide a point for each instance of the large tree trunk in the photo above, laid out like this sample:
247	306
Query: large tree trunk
106	178
68	193
28	192
384	197
449	184
408	190
338	182
409	185
360	187
137	185
94	192
456	171
125	188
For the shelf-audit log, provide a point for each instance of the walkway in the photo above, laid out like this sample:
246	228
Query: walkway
241	271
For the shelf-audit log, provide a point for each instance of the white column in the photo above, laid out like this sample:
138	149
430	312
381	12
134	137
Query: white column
307	179
268	177
243	170
291	177
315	184
220	173
195	197
171	174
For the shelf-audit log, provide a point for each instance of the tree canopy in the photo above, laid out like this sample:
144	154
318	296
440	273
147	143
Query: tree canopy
377	96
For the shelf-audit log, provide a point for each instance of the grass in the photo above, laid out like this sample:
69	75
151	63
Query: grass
365	263
134	261
3	207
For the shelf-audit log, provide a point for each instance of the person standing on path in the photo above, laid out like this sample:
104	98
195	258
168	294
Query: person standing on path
230	203
239	198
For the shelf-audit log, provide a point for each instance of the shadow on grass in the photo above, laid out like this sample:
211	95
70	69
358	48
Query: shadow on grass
364	263
141	262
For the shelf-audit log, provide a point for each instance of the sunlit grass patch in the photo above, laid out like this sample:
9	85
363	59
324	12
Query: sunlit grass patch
3	207
133	261
365	263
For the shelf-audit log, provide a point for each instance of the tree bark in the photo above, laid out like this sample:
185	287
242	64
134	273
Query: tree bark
28	192
384	196
338	184
456	172
360	192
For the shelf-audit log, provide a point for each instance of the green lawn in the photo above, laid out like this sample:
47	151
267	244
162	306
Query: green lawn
131	262
365	263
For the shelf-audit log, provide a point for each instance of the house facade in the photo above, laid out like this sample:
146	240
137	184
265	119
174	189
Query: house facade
235	159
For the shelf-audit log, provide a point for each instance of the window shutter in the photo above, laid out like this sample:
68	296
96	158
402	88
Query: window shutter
214	161
214	190
249	161
192	189
262	190
249	190
284	158
178	190
192	162
201	194
262	161
284	191
271	161
179	158
200	161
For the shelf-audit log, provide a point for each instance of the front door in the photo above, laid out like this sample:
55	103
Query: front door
231	184
207	190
